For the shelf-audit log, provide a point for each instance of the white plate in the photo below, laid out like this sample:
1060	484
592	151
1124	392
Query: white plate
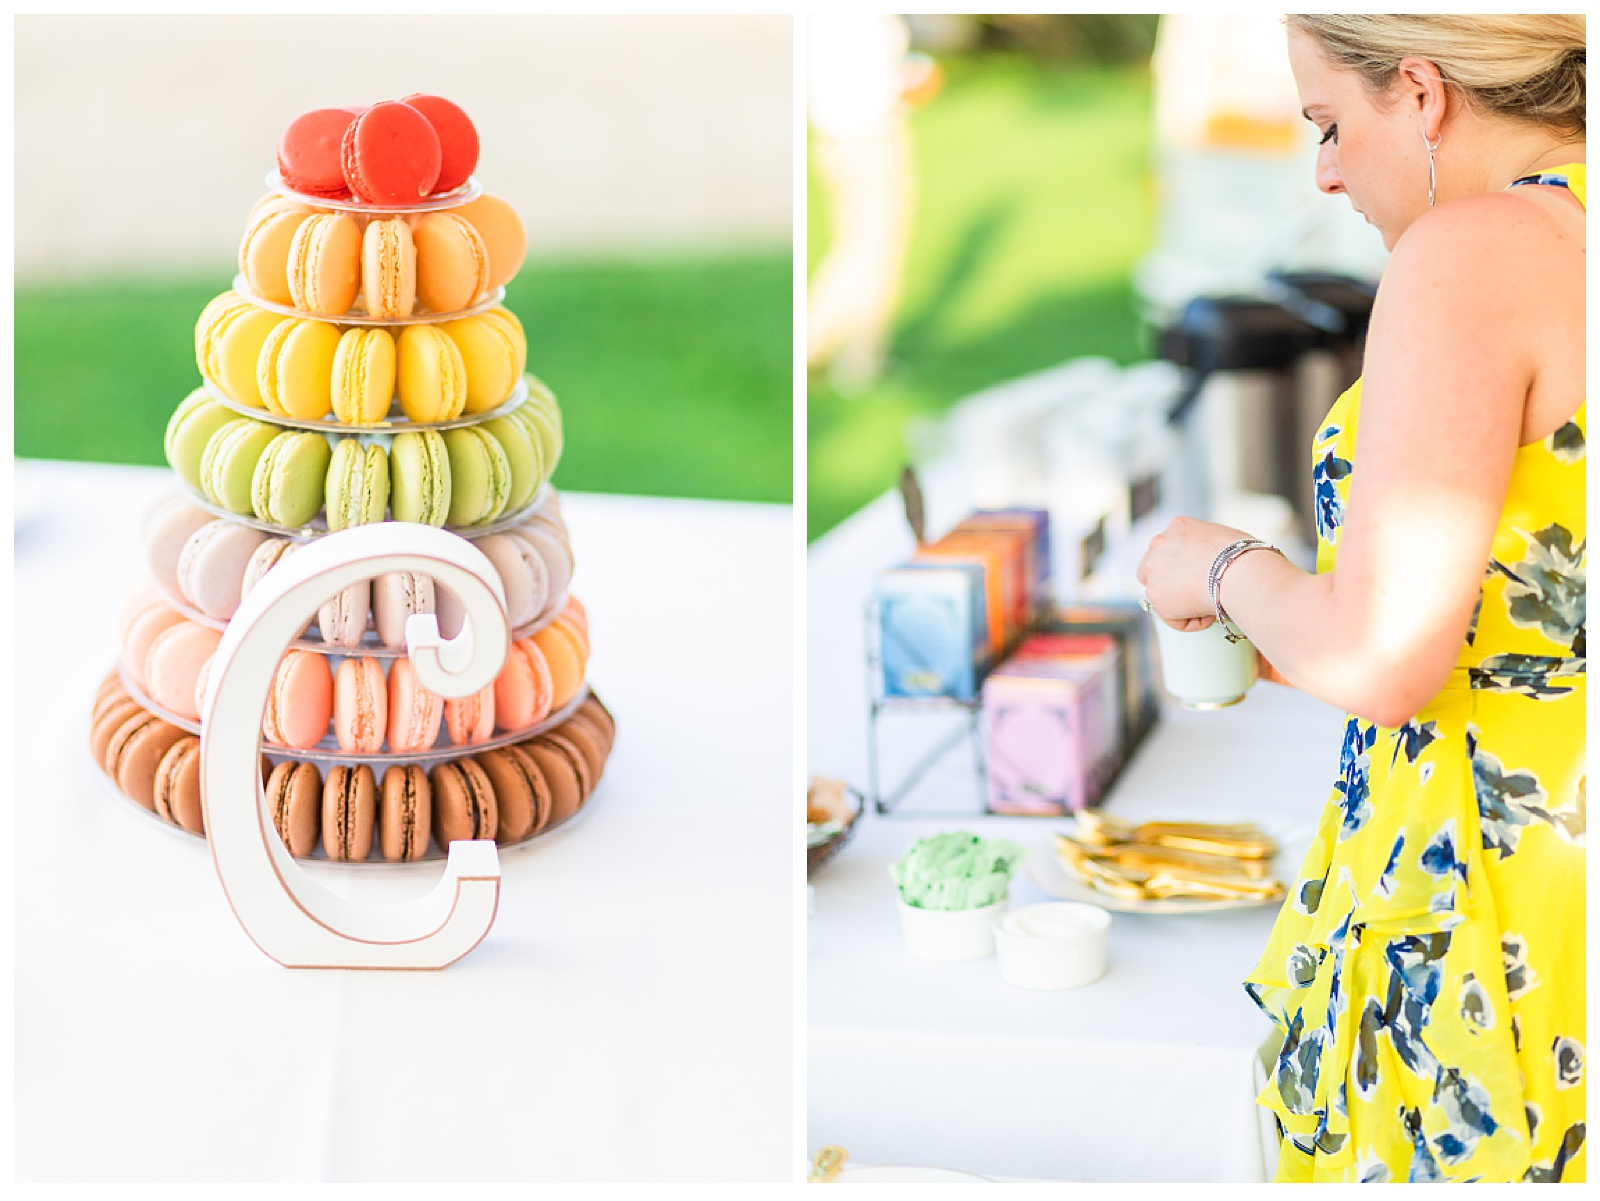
908	1175
1047	871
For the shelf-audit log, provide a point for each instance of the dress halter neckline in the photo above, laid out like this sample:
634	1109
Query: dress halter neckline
1557	179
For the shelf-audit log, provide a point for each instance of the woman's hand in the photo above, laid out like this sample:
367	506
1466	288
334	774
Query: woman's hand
1174	568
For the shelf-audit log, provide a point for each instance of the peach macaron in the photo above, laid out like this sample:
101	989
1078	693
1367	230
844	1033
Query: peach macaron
524	692
360	705
414	712
470	719
172	666
300	702
142	630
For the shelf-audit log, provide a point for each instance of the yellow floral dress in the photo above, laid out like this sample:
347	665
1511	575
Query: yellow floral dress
1427	969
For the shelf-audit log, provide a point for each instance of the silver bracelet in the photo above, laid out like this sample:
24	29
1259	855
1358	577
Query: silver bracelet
1220	564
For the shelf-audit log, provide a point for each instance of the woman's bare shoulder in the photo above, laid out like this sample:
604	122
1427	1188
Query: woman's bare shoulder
1490	239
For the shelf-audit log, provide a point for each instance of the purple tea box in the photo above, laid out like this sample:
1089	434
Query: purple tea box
1046	741
1036	522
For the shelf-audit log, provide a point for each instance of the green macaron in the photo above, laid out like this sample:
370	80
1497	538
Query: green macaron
192	424
522	453
290	479
421	482
228	467
357	484
542	415
480	476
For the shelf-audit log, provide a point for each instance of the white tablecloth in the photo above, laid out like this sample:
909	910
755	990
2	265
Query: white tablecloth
629	1016
1149	1074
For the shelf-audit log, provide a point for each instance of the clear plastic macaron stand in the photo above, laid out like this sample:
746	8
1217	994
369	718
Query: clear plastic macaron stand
288	913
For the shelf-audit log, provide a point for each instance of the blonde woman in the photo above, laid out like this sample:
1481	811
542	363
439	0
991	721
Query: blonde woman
1427	971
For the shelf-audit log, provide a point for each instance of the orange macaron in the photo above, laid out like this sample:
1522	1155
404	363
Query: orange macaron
524	692
565	651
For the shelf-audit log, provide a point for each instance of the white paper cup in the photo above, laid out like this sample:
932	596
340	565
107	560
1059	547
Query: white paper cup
950	934
1061	944
1201	669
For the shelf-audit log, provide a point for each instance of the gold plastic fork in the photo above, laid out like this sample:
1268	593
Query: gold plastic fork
1243	841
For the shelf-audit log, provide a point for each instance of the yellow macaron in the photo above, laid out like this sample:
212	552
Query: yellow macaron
494	352
296	367
363	375
228	341
431	375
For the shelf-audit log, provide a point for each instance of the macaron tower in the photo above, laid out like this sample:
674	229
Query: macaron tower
361	369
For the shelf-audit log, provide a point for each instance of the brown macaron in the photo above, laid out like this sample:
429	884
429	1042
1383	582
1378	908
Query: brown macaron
135	752
405	813
294	798
591	739
107	721
109	686
463	803
566	792
580	762
521	795
589	720
592	707
106	698
349	811
178	786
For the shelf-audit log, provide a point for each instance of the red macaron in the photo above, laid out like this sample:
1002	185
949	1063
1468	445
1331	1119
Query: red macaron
390	155
458	139
309	151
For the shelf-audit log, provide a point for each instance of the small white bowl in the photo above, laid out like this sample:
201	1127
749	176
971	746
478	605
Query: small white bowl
950	934
1061	944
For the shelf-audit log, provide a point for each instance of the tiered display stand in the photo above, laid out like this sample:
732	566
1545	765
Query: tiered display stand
291	917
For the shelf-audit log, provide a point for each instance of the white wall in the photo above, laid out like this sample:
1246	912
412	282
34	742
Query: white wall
141	142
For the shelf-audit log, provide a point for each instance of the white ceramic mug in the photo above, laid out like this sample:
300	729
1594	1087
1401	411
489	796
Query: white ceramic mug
1201	669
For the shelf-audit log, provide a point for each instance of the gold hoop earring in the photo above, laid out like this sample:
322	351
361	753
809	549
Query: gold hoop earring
1433	178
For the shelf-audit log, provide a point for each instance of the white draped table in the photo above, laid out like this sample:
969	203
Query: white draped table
628	1017
1150	1074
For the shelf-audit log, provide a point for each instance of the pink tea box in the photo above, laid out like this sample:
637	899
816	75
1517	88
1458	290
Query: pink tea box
1135	632
1047	742
1099	652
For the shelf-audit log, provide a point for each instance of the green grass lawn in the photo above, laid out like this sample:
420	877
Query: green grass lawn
1033	205
674	374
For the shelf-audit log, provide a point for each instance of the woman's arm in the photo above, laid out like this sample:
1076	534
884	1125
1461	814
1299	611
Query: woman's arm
1452	350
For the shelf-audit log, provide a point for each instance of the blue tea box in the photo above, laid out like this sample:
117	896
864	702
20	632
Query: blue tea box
933	630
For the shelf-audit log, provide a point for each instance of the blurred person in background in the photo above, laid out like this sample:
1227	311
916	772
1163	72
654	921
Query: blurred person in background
1427	972
861	80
